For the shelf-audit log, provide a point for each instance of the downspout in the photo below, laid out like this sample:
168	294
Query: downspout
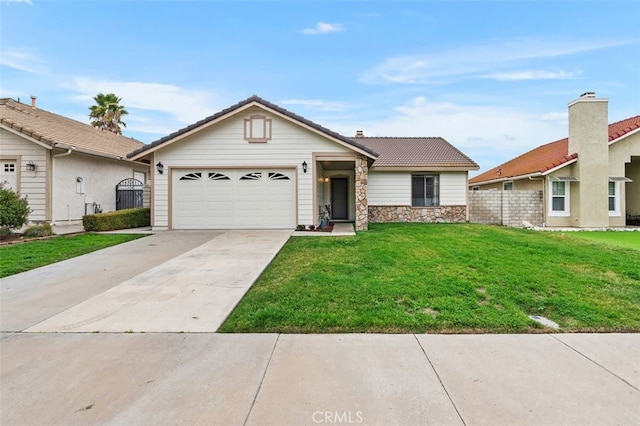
53	180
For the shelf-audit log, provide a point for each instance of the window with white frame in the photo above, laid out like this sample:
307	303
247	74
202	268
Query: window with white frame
614	199
425	191
507	186
559	198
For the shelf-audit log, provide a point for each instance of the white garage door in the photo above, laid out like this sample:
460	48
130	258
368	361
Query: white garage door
233	199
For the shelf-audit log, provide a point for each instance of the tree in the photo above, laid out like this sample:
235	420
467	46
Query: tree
14	211
107	113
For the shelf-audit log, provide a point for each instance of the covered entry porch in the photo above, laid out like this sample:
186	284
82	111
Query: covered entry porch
340	188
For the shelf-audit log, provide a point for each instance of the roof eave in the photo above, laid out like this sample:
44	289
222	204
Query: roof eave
429	168
46	143
626	135
94	153
559	166
238	108
505	178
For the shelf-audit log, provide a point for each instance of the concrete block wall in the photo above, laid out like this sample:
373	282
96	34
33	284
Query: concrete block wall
509	208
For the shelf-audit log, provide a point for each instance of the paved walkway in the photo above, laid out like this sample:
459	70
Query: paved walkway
271	379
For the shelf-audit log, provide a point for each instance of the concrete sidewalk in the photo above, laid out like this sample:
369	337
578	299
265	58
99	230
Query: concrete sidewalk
269	379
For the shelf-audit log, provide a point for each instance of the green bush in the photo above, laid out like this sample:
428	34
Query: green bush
14	211
121	219
43	230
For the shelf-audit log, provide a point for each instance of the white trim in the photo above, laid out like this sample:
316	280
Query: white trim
29	138
567	200
559	167
238	111
625	136
616	211
503	179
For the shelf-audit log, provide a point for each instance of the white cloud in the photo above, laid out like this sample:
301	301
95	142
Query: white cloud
319	104
324	28
29	2
488	134
477	60
532	75
21	60
185	105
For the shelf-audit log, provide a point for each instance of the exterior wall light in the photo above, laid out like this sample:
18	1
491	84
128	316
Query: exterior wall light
304	166
160	167
31	166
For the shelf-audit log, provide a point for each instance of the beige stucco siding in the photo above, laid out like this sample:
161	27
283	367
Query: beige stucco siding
620	164
223	145
30	184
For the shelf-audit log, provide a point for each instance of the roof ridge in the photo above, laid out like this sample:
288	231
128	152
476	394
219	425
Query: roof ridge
396	137
264	103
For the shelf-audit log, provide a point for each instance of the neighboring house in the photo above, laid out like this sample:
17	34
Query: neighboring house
65	168
590	179
257	165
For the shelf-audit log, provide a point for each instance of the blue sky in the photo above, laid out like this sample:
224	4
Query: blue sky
493	78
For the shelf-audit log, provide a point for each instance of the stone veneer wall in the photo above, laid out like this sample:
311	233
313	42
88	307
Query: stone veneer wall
362	173
380	214
508	208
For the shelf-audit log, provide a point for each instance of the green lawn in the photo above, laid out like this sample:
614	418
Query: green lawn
22	257
619	238
451	278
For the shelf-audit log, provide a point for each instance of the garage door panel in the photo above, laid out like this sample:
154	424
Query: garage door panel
233	199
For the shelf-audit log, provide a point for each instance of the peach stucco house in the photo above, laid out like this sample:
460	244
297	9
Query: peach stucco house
590	179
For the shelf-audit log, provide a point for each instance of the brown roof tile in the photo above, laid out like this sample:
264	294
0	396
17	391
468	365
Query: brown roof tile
416	152
52	129
549	156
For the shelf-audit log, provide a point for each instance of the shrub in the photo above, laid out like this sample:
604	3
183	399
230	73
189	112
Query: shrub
43	230
14	211
121	219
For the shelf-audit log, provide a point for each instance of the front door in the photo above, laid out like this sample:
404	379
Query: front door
339	198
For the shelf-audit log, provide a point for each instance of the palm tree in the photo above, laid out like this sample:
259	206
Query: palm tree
107	113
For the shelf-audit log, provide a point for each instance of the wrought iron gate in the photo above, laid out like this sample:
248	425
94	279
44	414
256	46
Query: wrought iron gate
129	194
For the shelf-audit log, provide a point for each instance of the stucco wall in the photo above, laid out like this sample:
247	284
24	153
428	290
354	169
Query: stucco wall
99	179
624	160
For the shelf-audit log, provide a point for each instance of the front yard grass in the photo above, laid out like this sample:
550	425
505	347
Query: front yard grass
22	257
445	278
617	238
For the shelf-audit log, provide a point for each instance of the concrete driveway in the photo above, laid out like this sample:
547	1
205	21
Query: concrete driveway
167	282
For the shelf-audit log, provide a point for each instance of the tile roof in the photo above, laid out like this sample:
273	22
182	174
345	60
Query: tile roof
51	129
416	152
266	104
549	156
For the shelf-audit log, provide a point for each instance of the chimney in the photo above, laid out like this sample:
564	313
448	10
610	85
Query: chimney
33	102
589	137
359	134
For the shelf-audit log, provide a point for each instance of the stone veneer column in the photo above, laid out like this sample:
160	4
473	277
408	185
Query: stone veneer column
362	204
